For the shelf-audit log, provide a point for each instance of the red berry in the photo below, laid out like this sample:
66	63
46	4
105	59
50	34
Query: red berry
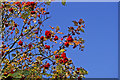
56	56
17	3
12	71
26	27
32	12
70	39
48	64
39	15
65	59
30	46
11	10
6	24
36	32
11	32
66	44
47	47
63	55
48	34
78	69
20	43
21	34
56	38
32	3
13	28
79	78
2	42
23	3
60	61
61	39
42	37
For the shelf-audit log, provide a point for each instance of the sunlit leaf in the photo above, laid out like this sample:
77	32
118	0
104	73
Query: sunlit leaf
60	32
76	42
55	52
62	50
82	30
57	28
75	23
71	44
63	2
51	27
13	55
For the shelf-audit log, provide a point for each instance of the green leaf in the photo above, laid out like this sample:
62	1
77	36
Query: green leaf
16	74
25	73
82	30
64	2
13	55
48	3
25	15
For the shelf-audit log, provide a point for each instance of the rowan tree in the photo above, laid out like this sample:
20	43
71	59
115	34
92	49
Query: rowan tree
25	50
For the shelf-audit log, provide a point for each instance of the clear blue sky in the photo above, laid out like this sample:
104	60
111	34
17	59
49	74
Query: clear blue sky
100	56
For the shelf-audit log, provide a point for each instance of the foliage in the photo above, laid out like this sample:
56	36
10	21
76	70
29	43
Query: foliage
25	51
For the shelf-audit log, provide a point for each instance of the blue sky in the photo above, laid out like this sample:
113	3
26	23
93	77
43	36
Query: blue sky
100	56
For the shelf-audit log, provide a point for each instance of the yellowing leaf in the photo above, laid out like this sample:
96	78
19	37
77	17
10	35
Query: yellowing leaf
55	41
71	44
57	28
39	58
63	2
37	37
76	42
62	50
25	30
33	33
55	52
60	32
45	39
51	27
75	23
60	42
27	37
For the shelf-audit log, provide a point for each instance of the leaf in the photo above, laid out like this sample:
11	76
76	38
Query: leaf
76	42
16	31
51	27
37	36
16	74
82	30
81	21
75	23
71	43
63	2
57	28
25	30
25	73
60	32
25	15
13	55
39	58
62	50
55	52
48	2
34	20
